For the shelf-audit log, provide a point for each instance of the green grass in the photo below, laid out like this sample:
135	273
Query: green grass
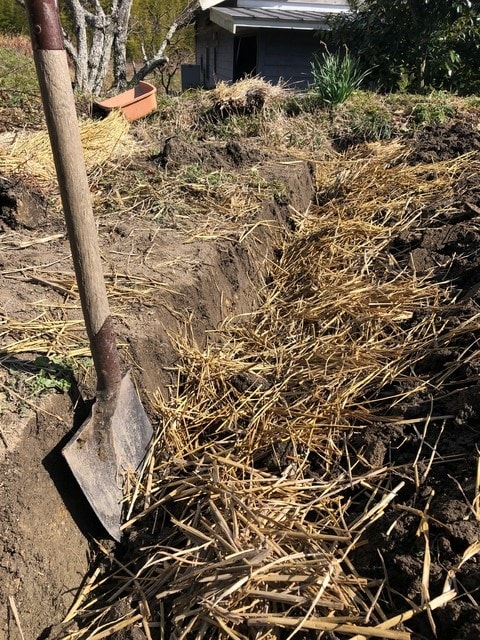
52	374
19	91
43	375
365	116
433	111
23	381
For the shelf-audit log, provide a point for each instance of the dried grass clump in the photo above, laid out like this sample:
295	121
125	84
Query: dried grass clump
245	96
245	516
383	184
30	155
19	43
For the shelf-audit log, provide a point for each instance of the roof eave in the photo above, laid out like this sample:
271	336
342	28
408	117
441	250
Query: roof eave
208	4
230	24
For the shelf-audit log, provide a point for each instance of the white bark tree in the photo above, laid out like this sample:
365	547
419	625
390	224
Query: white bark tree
98	37
183	19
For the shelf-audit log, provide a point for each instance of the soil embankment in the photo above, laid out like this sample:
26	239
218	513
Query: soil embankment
401	486
167	283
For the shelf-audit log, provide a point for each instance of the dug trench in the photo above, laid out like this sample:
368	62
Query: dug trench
185	286
427	441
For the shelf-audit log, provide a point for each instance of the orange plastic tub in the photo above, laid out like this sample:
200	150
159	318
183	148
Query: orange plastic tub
134	103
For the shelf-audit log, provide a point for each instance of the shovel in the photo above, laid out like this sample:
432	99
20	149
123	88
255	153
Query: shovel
113	441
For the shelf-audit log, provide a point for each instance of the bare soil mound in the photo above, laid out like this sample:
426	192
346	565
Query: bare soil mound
445	246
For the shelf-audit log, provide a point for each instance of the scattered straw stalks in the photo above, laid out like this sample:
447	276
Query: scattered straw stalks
67	337
244	520
43	335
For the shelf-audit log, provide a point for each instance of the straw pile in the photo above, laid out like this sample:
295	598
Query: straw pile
31	155
244	519
245	96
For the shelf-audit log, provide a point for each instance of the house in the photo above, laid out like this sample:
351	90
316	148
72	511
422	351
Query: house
272	39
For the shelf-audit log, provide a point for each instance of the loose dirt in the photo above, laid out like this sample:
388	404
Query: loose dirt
446	246
174	282
166	282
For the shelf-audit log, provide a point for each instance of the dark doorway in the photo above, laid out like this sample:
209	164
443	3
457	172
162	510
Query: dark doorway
245	61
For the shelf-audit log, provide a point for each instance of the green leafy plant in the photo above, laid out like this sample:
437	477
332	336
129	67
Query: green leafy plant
415	45
335	76
52	374
373	124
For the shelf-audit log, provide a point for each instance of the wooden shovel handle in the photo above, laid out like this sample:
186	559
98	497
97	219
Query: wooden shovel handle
60	113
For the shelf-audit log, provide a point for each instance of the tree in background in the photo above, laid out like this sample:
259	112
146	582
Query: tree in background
150	30
415	44
96	36
12	17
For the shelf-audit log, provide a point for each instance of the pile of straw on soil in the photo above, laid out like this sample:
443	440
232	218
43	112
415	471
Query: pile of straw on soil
245	96
251	502
31	154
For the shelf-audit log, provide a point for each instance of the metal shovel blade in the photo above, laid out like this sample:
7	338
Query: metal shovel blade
110	444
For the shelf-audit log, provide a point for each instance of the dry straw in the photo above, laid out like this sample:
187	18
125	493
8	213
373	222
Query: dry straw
241	525
247	95
44	335
66	337
30	154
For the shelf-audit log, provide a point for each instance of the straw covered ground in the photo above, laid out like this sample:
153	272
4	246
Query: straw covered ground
315	471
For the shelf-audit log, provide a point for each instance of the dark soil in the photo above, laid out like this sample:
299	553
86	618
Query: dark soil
449	246
210	156
46	534
445	141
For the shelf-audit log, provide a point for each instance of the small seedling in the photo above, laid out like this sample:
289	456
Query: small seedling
52	374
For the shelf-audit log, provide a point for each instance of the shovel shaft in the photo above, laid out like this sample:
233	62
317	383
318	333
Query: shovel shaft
60	113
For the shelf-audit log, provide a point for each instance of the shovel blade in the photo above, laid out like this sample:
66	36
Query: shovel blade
110	444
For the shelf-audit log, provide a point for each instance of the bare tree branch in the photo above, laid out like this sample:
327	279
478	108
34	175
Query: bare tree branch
159	59
100	35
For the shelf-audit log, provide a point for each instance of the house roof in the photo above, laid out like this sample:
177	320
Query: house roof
280	4
308	15
232	19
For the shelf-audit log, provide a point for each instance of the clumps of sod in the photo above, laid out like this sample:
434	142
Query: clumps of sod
245	517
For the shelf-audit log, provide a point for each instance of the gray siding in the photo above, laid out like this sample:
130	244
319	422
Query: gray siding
283	54
286	55
224	56
214	53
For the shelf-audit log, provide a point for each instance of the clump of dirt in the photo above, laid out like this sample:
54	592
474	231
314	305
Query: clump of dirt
20	207
178	152
444	141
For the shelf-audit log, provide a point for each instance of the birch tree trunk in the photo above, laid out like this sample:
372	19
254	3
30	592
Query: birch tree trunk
99	36
122	19
90	49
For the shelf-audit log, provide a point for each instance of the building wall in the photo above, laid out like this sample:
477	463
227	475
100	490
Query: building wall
281	54
214	53
286	55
